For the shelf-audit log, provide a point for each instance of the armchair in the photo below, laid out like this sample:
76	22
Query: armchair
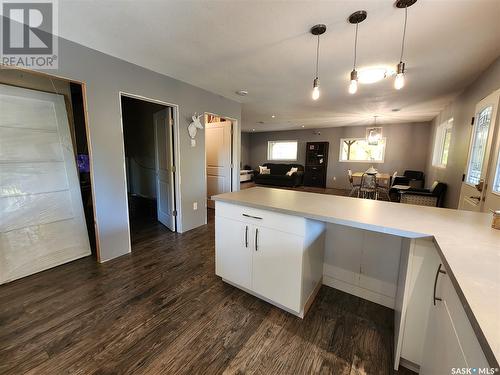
425	197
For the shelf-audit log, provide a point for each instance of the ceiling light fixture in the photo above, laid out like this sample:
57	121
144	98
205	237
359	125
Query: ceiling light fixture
399	82
273	116
374	74
355	18
242	92
317	30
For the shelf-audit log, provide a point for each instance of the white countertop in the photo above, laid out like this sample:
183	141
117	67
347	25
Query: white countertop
470	248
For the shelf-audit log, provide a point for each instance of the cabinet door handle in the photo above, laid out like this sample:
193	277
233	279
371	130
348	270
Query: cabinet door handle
246	236
439	270
253	217
256	239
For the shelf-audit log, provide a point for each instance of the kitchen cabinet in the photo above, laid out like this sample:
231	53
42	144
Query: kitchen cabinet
233	257
274	256
450	341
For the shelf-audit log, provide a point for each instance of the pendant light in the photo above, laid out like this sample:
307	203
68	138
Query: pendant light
317	30
355	18
399	82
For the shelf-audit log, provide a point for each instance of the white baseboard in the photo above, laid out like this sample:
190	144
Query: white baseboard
358	291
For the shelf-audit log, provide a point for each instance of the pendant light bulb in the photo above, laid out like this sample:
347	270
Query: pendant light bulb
353	86
399	82
315	92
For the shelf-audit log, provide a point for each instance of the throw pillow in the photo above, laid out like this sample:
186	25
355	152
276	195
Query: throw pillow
261	169
292	171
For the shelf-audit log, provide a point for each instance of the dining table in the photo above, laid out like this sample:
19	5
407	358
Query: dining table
383	179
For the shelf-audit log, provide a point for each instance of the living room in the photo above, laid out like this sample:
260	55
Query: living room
437	149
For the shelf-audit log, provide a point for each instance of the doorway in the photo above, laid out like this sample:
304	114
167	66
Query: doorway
218	156
481	180
148	133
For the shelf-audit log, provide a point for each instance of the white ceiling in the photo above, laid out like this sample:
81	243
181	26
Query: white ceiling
265	47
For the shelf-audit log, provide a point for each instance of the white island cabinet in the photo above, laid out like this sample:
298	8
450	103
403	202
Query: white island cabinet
274	256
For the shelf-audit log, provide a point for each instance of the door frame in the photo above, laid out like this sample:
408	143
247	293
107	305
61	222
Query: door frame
490	145
235	157
176	153
87	134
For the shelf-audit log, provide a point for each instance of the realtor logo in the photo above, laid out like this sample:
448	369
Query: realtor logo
28	30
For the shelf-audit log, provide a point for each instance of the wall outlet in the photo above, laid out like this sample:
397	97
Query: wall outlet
195	206
193	142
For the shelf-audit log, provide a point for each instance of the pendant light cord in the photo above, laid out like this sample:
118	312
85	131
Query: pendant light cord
355	46
404	35
317	58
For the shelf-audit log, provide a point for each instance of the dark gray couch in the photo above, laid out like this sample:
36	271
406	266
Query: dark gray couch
278	175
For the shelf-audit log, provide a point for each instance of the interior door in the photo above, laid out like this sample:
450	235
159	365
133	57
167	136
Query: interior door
472	195
218	154
165	197
42	223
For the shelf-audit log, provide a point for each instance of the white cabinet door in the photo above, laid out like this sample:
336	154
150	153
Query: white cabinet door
233	251
277	266
442	350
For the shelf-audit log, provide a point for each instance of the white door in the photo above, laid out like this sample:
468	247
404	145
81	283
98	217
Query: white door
473	191
163	122
233	246
218	154
42	223
442	349
277	266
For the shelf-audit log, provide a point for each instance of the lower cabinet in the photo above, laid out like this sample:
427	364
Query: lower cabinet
450	342
233	255
437	334
274	256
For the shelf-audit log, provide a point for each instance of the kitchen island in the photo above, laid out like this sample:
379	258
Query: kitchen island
460	248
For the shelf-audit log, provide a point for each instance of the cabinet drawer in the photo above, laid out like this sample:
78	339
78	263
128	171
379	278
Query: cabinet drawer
285	223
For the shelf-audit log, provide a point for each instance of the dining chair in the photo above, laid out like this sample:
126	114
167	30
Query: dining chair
368	188
386	189
354	187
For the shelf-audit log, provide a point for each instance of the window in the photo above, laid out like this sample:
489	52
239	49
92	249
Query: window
442	144
282	150
478	148
358	149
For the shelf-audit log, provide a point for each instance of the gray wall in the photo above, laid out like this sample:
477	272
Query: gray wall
245	150
105	76
407	148
461	110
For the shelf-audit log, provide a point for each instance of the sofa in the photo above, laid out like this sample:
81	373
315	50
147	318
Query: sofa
425	197
278	176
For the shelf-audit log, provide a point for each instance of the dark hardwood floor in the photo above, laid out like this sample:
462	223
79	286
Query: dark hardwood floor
161	310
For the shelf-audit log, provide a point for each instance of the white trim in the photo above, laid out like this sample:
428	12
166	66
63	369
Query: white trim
361	161
438	146
283	141
177	159
358	291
